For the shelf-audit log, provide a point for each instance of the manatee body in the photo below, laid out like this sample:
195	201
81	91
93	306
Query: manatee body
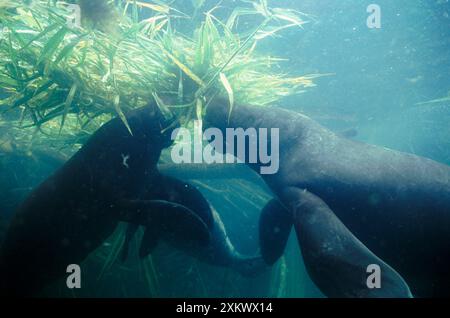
217	251
352	204
114	177
71	213
220	251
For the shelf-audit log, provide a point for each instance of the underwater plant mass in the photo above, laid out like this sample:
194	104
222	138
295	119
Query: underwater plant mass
185	149
54	74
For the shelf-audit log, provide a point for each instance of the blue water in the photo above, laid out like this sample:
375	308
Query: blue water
378	82
380	74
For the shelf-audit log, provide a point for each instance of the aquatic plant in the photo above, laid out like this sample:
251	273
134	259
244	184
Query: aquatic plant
59	84
436	101
56	78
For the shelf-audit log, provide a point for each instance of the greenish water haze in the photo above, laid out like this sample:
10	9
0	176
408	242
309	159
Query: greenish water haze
381	83
381	75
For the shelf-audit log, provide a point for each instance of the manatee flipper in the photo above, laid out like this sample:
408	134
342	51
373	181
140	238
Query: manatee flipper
169	217
174	190
335	259
149	242
275	225
130	233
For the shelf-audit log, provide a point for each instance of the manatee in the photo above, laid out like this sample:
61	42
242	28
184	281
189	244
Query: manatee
113	178
219	251
352	205
72	212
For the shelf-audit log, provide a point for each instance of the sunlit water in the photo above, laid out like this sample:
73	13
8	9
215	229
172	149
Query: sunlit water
379	83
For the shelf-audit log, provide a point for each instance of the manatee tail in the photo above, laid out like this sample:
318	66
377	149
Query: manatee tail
338	263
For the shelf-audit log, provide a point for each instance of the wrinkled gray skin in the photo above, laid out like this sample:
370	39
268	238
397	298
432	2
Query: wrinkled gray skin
351	203
112	178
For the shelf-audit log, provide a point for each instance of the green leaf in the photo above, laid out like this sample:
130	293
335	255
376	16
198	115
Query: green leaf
163	107
40	35
7	81
52	45
184	68
199	108
229	89
68	104
67	50
121	114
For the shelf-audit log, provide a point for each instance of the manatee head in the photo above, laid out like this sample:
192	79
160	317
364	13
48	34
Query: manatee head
149	125
136	141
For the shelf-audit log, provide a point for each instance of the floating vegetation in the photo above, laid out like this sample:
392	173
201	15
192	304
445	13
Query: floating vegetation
65	82
436	101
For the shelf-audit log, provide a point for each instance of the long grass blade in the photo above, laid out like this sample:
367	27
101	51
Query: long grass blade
68	104
52	45
121	114
226	84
